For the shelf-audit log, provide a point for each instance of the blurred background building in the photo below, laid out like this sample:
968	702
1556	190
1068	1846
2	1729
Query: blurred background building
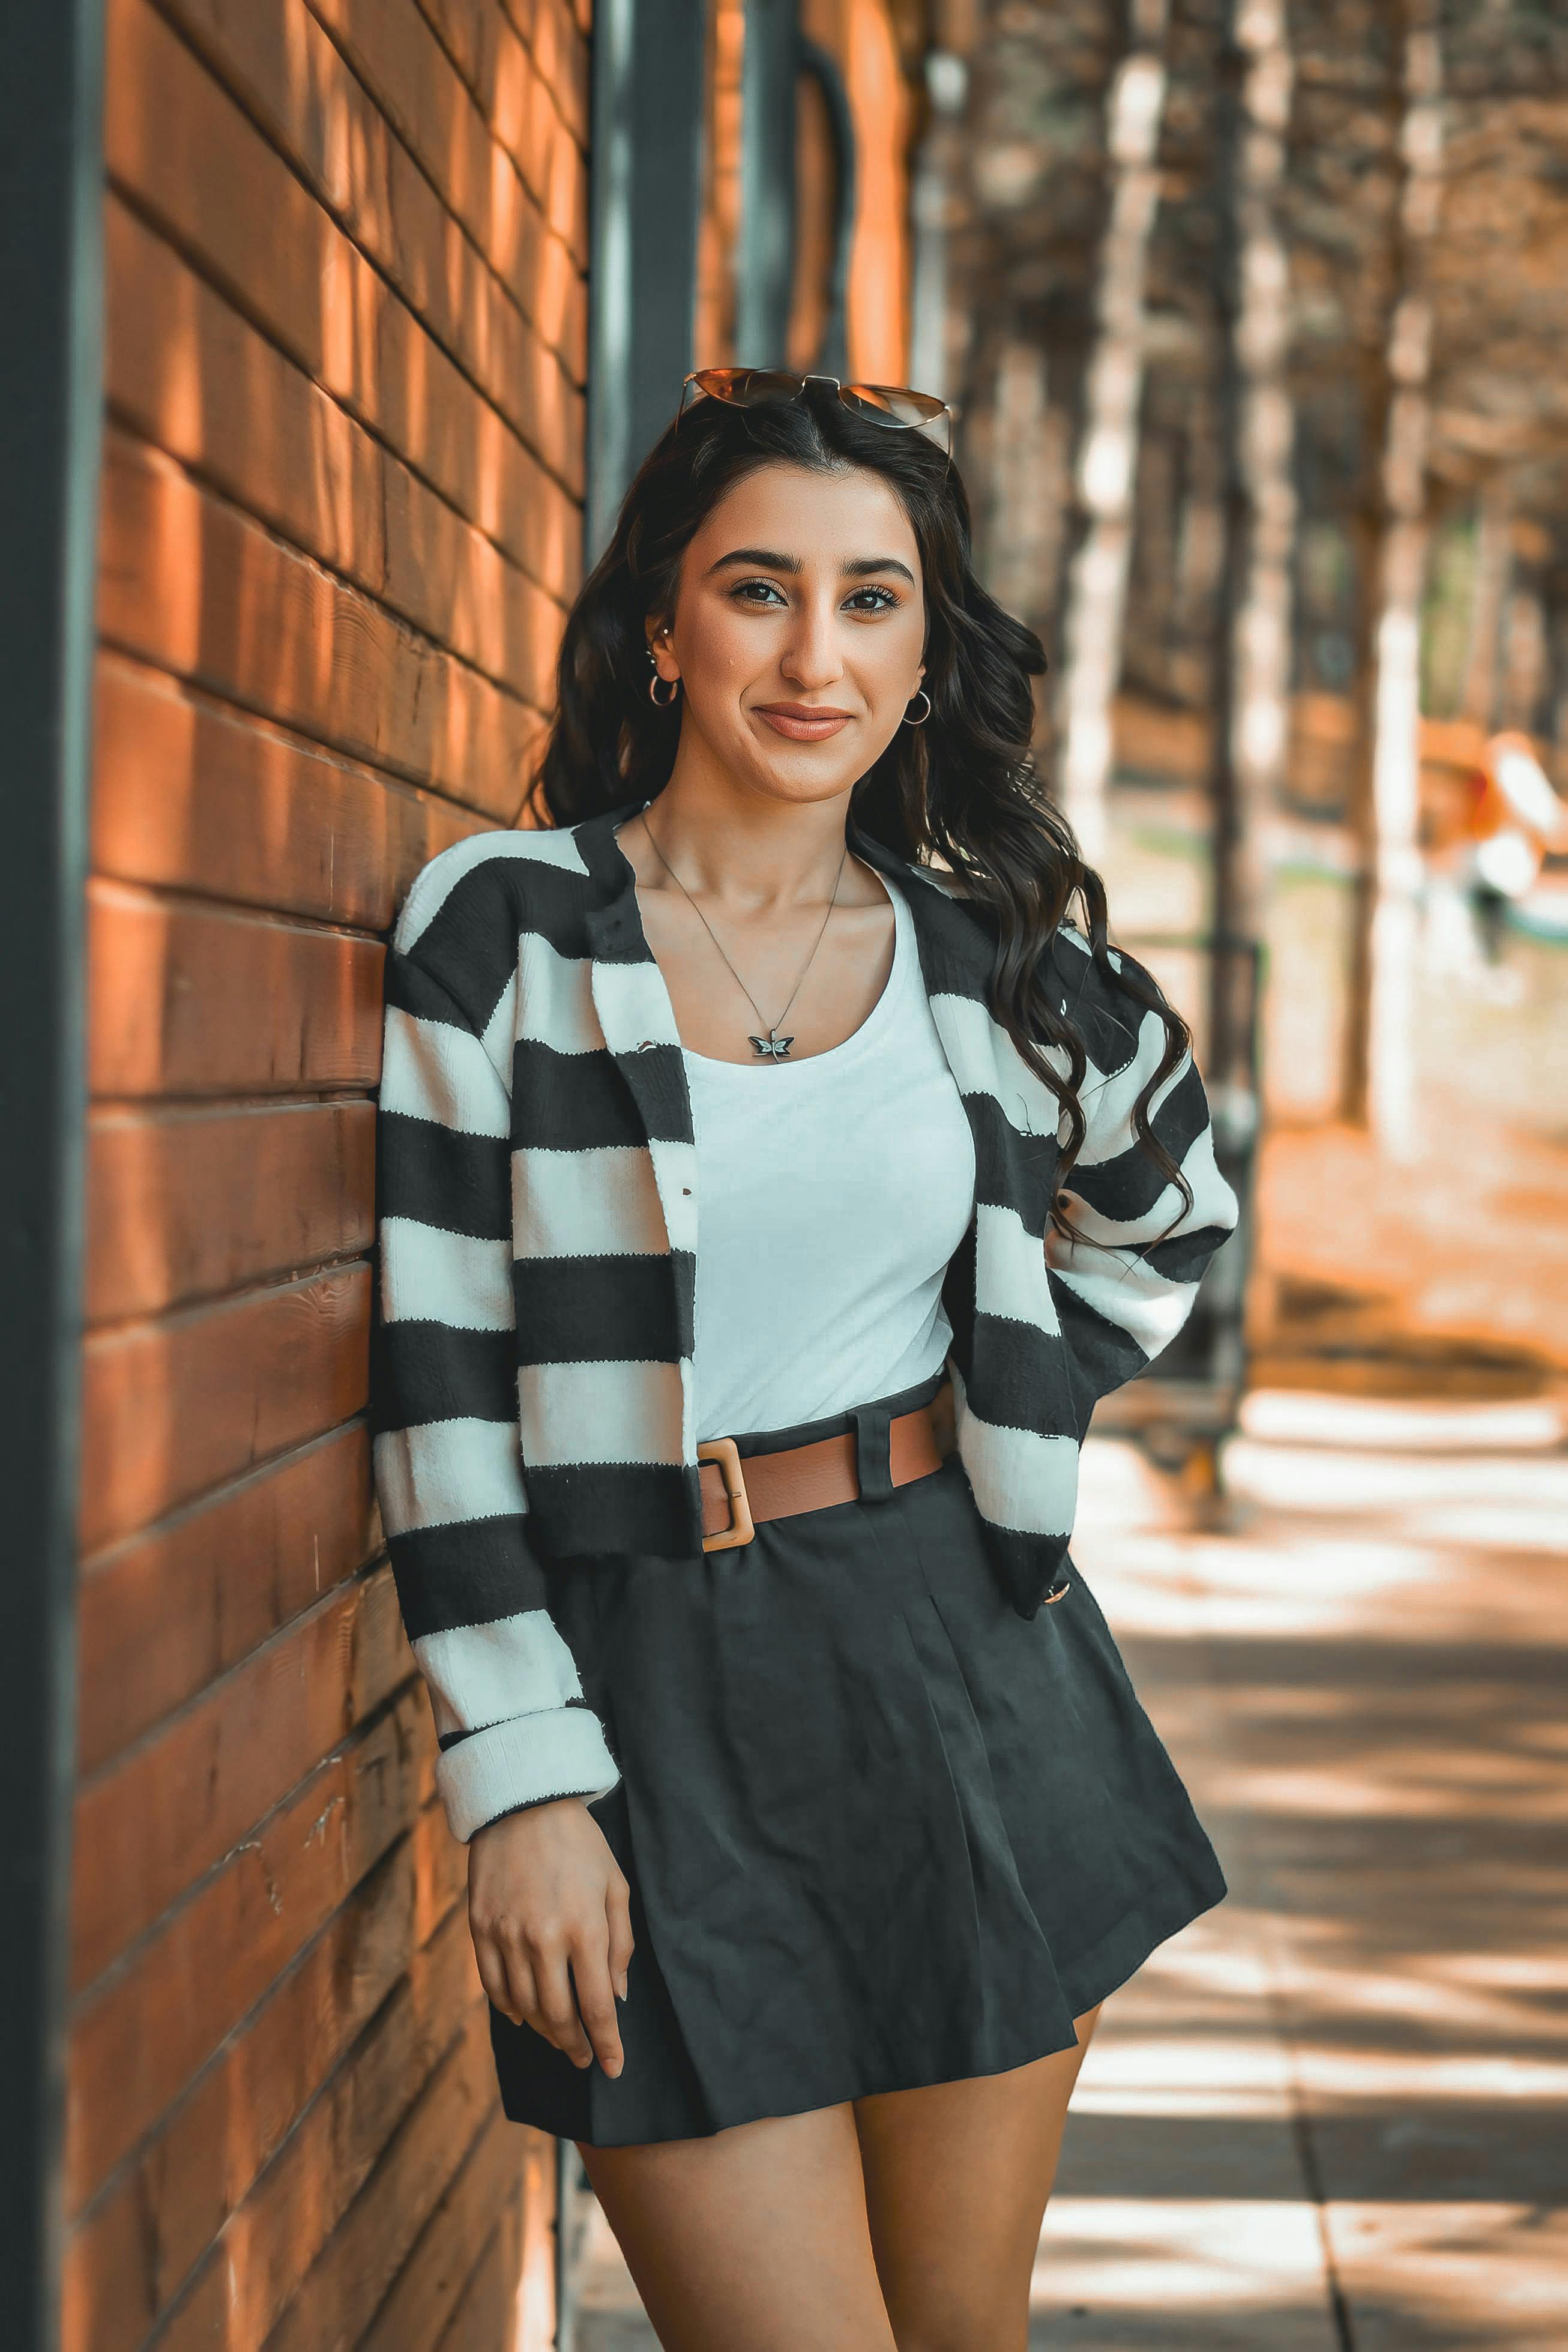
334	329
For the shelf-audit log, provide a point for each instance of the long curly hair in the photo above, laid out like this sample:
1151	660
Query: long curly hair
963	788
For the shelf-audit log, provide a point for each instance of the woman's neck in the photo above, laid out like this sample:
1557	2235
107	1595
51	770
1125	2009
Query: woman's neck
744	849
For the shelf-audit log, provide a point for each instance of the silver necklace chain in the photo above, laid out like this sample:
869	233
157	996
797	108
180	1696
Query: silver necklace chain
771	1046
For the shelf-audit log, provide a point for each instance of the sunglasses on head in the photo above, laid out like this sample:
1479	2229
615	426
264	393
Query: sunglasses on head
890	404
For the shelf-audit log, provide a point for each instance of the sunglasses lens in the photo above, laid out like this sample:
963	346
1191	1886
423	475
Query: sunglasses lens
895	404
888	404
744	387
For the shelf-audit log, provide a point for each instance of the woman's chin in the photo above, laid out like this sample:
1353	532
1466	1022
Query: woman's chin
804	772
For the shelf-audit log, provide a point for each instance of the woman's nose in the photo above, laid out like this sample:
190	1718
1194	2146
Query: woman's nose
811	658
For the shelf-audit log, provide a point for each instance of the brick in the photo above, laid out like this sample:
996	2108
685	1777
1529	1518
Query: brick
163	1613
190	583
174	1407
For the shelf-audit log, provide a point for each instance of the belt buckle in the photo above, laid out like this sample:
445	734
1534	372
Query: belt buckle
740	1530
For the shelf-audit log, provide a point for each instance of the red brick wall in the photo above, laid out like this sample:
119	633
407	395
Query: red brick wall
343	479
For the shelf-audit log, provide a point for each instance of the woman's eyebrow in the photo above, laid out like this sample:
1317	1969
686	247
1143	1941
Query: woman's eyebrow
864	565
766	559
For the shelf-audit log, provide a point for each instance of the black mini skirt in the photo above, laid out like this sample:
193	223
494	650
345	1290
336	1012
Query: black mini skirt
880	1832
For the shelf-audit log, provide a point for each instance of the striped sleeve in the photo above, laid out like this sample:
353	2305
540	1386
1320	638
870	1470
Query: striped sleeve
513	1726
1125	1289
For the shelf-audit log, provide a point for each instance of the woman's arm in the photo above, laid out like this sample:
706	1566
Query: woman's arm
1124	1291
521	1749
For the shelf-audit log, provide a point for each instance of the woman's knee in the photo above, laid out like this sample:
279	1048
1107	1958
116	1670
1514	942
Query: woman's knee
982	2330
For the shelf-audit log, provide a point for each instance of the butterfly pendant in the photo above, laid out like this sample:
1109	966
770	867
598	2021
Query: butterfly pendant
777	1047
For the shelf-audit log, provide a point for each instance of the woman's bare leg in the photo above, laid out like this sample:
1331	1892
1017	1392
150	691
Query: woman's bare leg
754	2240
957	2178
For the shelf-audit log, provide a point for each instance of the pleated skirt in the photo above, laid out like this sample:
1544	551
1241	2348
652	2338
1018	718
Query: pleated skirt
880	1832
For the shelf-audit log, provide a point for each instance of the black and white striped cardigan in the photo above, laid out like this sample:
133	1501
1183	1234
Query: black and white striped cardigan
537	1223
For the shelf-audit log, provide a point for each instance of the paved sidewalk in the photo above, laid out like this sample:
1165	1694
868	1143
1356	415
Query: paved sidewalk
1332	2117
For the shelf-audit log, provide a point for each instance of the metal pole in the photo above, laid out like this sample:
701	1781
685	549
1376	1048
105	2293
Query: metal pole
646	205
51	199
767	182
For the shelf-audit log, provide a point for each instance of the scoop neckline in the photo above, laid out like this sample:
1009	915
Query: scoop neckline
875	1019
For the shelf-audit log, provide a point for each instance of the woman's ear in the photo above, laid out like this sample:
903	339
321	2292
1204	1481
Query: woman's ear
661	652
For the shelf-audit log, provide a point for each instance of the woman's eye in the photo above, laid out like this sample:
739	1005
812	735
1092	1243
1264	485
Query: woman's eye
756	592
872	600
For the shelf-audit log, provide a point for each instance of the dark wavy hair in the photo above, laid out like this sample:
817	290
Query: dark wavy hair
963	788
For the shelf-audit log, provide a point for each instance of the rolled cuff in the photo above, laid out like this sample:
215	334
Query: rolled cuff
560	1752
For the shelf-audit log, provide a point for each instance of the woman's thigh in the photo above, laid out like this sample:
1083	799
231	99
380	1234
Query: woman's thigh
755	2236
956	2181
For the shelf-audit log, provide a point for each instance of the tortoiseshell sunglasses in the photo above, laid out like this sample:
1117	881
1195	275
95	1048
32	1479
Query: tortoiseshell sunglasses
892	404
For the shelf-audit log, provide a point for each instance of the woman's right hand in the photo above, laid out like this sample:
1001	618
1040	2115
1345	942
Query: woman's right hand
549	1908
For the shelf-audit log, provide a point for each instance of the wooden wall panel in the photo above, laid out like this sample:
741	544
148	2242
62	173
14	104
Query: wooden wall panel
510	191
362	202
147	1828
192	161
342	520
194	796
510	58
425	2293
186	1205
143	2033
191	375
173	1407
338	2299
165	1613
191	585
407	2059
188	998
144	2240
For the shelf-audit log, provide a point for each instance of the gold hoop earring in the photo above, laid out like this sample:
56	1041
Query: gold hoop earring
919	694
663	701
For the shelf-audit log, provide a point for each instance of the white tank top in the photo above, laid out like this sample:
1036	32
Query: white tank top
831	1194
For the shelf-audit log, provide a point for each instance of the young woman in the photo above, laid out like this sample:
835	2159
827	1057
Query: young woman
772	1178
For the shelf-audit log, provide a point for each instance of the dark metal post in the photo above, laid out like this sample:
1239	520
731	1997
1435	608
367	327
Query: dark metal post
646	205
51	201
766	275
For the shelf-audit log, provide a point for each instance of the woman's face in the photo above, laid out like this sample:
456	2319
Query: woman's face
798	631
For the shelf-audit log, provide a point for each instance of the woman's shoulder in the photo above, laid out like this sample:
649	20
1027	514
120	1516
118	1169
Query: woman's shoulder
495	870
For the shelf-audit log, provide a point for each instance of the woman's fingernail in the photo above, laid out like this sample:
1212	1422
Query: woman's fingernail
621	1987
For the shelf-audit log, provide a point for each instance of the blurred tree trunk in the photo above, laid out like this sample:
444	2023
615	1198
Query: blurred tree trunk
1107	459
1488	594
1252	670
1027	231
1380	1071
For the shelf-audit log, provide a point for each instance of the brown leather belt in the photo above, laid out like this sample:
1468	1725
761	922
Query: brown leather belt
737	1495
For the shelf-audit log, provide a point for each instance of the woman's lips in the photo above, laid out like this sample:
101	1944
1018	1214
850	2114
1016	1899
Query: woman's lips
801	722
